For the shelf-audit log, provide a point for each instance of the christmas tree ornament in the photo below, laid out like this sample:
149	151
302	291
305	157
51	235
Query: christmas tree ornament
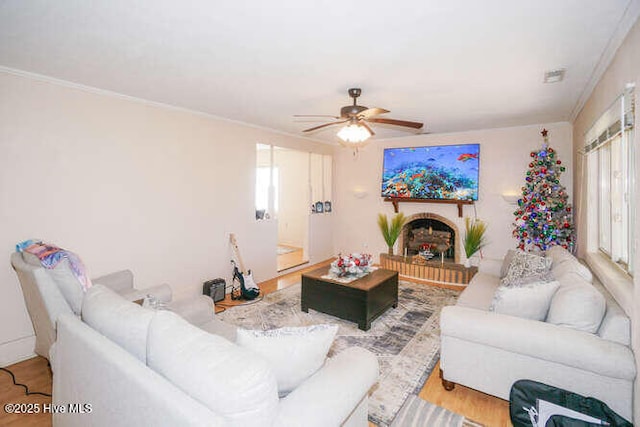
543	218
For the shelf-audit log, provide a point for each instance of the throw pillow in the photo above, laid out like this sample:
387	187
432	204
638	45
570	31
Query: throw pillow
506	262
529	301
526	267
577	305
294	353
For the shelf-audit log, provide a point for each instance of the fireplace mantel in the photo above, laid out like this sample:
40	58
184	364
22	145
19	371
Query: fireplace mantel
396	201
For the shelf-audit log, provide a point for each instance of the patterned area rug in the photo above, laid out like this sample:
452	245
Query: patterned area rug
406	340
419	413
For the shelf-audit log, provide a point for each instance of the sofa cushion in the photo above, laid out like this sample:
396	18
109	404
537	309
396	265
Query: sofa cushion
68	284
228	379
64	279
577	304
558	254
615	325
123	322
294	353
530	301
526	267
571	266
480	291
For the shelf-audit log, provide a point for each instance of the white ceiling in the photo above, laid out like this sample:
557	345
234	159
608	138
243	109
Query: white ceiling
455	65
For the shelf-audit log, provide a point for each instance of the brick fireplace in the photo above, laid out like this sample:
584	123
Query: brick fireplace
441	234
432	229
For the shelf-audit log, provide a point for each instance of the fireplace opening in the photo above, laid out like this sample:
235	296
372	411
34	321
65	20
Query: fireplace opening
429	237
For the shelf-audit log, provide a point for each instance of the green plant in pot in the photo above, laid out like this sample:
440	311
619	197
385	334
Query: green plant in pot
391	230
474	237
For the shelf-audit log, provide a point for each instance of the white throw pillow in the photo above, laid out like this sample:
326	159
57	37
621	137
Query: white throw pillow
294	353
527	267
577	305
229	380
530	301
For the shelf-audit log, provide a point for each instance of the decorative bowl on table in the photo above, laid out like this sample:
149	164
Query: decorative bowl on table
355	264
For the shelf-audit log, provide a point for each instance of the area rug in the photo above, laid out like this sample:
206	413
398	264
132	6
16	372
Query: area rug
406	340
416	412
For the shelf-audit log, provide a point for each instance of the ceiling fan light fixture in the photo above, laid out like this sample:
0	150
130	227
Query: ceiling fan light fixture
354	133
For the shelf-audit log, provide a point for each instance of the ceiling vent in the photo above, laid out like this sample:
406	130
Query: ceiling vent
554	76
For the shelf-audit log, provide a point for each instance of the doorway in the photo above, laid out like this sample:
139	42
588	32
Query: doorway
289	185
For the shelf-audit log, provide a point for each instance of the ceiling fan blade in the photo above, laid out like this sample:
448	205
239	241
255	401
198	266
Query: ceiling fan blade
415	125
370	112
315	115
363	123
324	125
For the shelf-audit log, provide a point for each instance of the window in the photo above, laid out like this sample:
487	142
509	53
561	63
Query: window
609	152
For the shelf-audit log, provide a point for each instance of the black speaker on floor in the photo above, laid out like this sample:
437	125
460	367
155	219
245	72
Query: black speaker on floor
215	289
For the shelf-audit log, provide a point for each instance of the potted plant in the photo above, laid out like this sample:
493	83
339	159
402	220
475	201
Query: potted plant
391	231
474	238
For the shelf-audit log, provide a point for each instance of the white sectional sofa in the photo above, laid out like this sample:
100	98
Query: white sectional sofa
142	367
582	344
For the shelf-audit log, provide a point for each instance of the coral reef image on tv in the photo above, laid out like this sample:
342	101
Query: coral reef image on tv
442	172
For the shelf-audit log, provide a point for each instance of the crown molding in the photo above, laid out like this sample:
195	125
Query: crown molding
112	94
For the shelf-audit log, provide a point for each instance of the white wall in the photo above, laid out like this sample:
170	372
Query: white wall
125	184
504	160
624	68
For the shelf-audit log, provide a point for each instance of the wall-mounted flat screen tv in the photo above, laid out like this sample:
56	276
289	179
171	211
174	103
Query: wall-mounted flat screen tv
440	172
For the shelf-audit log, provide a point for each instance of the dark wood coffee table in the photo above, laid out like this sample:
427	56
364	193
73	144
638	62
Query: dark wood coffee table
359	301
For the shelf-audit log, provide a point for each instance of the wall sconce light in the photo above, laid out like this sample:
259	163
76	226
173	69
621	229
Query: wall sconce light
359	193
511	198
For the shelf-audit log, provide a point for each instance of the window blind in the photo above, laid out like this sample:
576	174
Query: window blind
617	119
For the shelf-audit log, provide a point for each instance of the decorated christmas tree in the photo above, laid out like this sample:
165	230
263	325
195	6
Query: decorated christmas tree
543	218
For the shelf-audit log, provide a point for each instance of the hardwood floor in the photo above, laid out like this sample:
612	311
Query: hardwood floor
36	375
480	407
475	405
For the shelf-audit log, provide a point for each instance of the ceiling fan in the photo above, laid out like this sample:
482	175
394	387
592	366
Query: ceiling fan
357	119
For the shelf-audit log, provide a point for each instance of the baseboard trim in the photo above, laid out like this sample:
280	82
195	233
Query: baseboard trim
17	350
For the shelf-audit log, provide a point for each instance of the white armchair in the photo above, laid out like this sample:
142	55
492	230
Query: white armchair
50	293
